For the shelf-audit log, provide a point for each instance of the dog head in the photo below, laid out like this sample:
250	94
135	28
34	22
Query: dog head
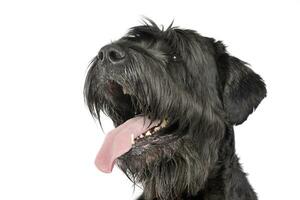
172	94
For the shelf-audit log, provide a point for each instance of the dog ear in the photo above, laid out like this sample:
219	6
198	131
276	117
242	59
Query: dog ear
242	89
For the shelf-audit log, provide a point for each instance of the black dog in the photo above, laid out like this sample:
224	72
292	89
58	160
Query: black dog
174	97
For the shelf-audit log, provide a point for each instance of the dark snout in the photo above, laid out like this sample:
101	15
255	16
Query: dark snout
112	54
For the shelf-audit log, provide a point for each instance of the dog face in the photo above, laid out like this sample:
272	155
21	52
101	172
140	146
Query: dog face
187	89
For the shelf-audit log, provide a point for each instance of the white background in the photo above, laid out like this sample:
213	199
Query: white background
48	140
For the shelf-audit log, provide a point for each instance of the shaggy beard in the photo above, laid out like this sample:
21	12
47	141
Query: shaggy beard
171	170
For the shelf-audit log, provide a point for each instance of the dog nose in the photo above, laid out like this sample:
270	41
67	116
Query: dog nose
113	53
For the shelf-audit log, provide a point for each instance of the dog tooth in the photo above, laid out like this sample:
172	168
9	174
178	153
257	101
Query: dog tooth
156	129
148	133
132	139
124	91
141	136
164	123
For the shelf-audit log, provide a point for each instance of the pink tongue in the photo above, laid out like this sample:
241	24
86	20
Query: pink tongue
118	141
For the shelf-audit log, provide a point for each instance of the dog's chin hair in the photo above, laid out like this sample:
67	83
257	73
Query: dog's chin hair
169	172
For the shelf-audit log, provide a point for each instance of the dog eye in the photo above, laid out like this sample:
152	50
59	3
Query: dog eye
174	58
134	35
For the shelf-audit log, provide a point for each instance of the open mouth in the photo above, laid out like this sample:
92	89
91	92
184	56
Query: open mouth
149	132
135	131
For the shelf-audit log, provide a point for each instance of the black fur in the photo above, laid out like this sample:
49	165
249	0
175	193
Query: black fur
202	90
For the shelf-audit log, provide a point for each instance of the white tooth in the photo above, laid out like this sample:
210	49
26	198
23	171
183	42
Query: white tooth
148	133
132	139
124	91
156	129
164	123
141	136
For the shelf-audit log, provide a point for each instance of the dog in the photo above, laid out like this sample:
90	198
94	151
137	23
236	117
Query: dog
174	97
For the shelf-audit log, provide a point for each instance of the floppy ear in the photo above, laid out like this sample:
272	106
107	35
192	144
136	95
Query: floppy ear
243	89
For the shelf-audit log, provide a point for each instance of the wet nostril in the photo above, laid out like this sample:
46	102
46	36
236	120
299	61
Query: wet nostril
100	55
115	56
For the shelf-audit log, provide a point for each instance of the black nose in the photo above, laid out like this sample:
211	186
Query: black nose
112	53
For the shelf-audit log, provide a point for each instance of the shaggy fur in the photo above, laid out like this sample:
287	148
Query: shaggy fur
203	92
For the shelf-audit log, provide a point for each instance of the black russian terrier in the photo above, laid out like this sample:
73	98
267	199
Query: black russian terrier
174	97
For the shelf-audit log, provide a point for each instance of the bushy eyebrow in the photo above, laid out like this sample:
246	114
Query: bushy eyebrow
149	29
144	31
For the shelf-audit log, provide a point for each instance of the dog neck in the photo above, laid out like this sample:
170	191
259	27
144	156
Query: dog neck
226	180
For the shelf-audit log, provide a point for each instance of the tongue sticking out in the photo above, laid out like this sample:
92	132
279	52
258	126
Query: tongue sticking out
118	141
